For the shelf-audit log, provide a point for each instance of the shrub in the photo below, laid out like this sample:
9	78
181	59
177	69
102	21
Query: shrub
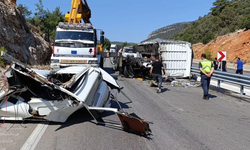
2	62
208	53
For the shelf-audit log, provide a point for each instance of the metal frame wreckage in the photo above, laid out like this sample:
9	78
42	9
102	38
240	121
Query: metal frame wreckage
54	96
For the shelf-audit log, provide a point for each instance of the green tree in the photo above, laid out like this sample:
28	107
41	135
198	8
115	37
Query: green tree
51	20
208	53
219	5
246	22
46	20
106	44
125	44
39	17
226	16
25	10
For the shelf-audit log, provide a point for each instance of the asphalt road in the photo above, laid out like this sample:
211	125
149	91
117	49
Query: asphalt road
182	120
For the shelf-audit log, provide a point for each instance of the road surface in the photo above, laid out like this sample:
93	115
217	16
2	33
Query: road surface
181	119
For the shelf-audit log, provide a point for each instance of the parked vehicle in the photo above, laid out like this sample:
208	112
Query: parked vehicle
113	48
129	51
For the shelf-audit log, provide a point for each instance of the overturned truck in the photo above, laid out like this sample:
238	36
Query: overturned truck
54	96
176	56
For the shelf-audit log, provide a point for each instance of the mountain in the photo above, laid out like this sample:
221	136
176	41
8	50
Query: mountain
167	32
121	43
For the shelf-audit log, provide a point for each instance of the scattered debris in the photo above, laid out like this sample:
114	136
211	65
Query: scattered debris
55	95
184	83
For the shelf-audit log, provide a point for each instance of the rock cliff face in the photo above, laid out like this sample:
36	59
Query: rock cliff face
236	44
19	39
167	32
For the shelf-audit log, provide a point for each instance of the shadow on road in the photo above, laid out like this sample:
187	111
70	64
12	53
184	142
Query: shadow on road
212	96
111	72
83	115
231	93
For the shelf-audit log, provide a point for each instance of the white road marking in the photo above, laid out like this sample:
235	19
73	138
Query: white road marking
35	137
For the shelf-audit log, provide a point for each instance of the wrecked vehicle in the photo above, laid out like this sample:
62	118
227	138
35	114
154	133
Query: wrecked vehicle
134	67
54	96
176	56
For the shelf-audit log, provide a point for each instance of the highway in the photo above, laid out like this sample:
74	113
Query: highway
181	120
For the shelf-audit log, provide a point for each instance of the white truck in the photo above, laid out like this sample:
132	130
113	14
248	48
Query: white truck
113	48
129	51
75	45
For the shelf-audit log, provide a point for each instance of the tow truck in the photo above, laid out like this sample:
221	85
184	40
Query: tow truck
75	42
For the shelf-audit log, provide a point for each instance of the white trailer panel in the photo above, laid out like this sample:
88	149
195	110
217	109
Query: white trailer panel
176	57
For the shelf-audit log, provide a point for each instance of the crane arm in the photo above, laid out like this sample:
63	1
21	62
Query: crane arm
79	11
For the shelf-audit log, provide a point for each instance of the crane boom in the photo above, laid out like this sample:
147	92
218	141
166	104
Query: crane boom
79	11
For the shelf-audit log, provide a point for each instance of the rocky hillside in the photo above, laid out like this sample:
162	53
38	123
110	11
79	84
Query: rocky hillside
20	40
236	44
167	32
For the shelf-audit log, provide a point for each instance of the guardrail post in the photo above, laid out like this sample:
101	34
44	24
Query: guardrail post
242	90
218	83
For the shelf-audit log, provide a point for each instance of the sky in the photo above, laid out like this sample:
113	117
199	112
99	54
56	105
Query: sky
132	20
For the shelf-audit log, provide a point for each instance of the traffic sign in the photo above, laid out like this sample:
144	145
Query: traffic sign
222	56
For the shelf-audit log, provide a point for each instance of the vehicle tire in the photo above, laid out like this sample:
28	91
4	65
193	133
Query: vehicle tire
112	60
125	72
128	72
101	63
113	63
118	65
114	67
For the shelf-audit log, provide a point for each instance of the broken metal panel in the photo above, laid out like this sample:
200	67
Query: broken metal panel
134	123
147	50
109	79
57	95
44	107
87	89
176	58
61	115
129	122
19	109
102	96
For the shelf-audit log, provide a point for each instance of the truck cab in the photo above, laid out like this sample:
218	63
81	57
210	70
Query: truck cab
129	51
113	48
75	44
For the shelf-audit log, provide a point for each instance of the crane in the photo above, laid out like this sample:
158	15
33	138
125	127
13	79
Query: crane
79	11
76	42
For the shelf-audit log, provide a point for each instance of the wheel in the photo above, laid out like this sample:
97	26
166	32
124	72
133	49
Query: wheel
128	72
101	63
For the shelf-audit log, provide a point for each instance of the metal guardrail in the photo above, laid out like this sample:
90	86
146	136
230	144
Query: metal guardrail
233	78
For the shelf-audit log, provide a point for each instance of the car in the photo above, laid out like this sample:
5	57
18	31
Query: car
129	51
